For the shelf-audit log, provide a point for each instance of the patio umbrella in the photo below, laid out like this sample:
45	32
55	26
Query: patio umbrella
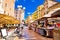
5	19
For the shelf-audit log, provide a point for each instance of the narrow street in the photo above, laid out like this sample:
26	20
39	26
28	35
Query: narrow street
29	19
31	35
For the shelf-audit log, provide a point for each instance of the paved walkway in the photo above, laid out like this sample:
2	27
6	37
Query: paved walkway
28	35
31	35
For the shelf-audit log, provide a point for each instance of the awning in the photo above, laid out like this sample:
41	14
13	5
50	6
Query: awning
5	19
51	12
56	14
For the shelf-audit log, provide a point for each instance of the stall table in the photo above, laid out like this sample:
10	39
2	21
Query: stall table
45	31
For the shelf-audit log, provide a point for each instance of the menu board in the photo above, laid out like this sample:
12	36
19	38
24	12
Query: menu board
4	32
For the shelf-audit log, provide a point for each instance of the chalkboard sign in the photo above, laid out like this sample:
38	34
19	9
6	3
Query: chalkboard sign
4	32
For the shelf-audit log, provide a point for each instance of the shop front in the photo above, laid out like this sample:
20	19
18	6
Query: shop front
7	25
56	32
49	23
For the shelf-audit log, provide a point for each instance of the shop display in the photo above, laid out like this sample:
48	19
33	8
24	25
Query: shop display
42	31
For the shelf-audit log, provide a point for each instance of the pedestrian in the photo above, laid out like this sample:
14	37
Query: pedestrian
18	30
21	28
21	31
54	24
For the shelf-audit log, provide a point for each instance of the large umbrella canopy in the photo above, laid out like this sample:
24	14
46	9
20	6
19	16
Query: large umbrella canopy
5	19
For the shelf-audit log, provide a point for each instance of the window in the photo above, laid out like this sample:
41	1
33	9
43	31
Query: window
6	5
19	18
44	13
16	15
10	8
8	13
4	11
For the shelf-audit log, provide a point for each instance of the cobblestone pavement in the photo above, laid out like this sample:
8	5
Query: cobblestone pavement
28	35
31	35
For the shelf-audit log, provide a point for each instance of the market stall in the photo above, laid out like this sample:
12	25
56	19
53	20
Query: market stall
48	28
33	26
56	32
40	28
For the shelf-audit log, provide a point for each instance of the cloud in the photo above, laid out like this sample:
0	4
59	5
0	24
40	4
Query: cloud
24	7
28	13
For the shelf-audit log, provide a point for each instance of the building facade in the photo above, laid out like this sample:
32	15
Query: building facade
19	13
44	9
16	14
7	7
1	6
40	11
48	4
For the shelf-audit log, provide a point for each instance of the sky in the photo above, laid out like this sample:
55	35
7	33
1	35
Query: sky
57	0
30	5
